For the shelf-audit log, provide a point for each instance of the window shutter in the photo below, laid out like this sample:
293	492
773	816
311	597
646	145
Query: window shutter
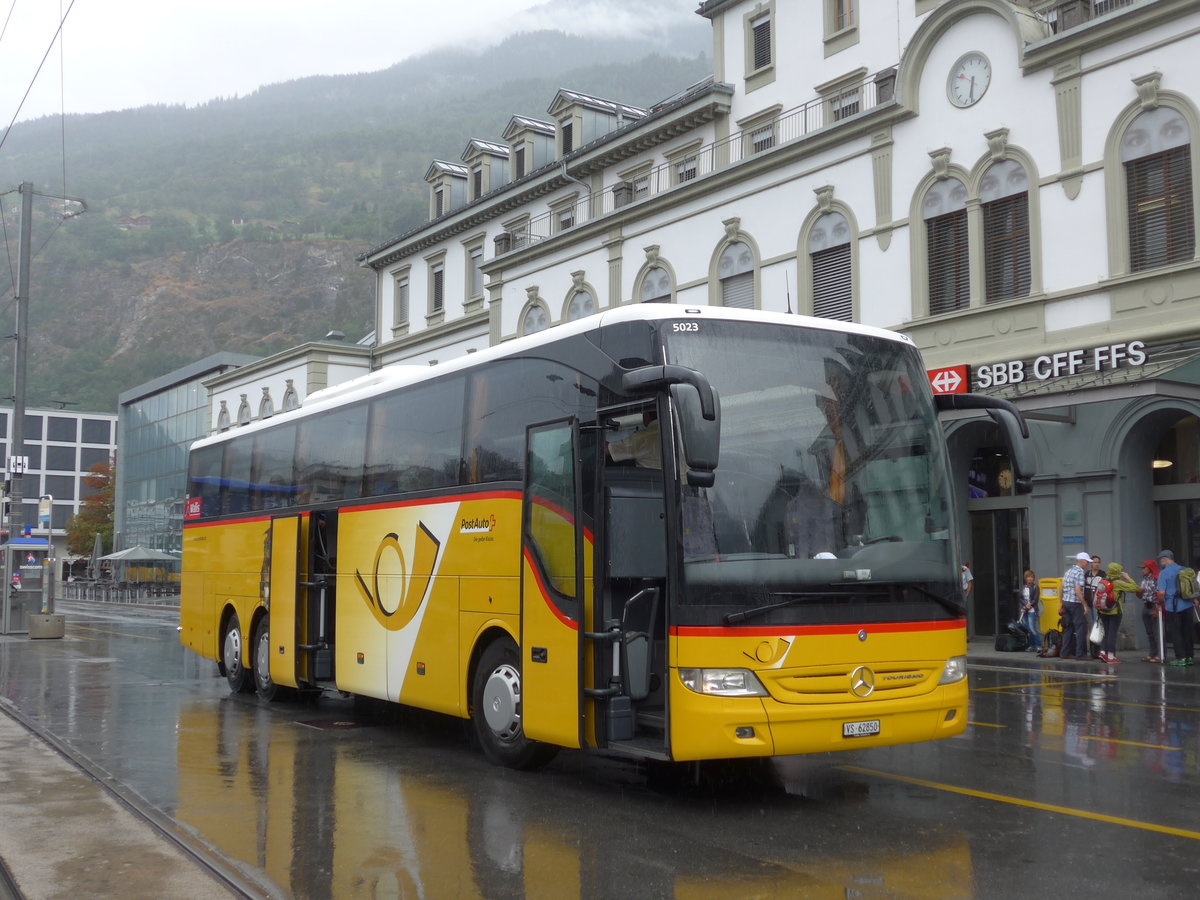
402	302
1161	227
949	279
439	276
1006	248
568	138
832	294
520	162
762	42
738	291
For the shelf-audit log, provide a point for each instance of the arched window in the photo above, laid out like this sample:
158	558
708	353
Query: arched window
580	306
829	248
944	210
1156	154
535	320
656	286
736	272
1004	200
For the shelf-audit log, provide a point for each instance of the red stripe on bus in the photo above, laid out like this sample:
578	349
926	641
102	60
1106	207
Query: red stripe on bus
545	592
562	514
814	630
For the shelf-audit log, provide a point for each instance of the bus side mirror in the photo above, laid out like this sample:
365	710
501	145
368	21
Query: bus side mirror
1011	422
701	437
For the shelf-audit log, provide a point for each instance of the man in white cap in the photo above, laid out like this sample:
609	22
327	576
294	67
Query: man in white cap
1074	645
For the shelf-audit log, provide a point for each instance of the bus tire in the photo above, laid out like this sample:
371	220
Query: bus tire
233	657
496	710
264	685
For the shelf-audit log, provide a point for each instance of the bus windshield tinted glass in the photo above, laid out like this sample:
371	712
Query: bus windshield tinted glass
832	481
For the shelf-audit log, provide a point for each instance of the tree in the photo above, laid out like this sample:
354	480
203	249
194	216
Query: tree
95	515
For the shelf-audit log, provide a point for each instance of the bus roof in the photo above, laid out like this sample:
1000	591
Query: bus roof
401	374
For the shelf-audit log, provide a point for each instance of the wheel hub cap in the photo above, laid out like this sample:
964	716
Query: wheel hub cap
502	701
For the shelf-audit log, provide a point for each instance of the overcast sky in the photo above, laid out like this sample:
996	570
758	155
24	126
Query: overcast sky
117	54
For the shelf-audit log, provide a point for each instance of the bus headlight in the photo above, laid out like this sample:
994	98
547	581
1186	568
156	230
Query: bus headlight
954	670
723	682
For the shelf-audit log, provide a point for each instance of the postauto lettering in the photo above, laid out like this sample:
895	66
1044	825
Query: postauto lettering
1059	365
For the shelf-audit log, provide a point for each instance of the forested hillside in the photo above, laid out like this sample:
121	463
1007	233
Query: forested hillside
234	225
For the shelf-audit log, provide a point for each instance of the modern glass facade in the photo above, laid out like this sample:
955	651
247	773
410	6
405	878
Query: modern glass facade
60	448
158	423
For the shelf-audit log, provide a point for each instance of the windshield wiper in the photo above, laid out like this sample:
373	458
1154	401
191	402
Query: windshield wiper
754	612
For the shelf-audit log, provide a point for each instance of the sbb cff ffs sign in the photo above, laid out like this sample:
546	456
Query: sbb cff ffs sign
950	380
192	508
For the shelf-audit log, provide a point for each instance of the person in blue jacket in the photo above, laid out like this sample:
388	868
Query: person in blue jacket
1177	610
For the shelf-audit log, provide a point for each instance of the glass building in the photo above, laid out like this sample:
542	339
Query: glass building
158	422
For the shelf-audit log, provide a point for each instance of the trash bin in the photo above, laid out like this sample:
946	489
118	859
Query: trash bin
1050	593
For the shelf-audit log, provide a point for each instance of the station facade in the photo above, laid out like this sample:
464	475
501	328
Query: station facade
1009	183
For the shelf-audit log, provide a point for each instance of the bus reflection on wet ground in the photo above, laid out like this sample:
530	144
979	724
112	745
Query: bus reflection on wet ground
1068	777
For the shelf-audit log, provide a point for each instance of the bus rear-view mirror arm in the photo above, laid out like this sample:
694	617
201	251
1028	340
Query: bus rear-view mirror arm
697	409
1010	420
652	378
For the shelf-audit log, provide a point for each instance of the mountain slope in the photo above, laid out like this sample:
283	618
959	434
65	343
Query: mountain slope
317	170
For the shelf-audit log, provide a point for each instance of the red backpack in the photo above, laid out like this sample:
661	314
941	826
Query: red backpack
1104	597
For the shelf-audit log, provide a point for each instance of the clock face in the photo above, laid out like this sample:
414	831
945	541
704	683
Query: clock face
969	79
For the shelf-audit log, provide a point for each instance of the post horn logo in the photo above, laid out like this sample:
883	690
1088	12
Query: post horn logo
394	612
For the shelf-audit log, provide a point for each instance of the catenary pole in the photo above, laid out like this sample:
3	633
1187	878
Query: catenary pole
17	447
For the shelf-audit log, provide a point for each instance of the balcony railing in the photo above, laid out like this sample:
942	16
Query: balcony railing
1073	13
785	128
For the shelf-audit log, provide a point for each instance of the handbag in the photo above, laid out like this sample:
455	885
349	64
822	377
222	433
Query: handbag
1096	635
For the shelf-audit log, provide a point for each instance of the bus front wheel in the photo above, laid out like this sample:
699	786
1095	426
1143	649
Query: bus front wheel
496	710
233	657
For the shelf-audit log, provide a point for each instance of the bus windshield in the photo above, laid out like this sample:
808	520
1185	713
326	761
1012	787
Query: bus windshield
830	502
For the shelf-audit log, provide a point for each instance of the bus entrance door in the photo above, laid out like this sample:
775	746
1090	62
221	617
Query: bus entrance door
631	532
552	586
284	577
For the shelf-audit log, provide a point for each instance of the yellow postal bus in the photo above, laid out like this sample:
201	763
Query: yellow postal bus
676	533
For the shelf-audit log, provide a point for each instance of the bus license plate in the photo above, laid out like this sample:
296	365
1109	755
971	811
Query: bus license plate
860	729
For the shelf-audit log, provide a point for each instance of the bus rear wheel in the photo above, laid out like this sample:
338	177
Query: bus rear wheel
496	710
233	657
264	685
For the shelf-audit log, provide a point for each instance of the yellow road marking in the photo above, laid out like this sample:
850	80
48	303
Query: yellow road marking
1028	804
1089	737
1019	689
985	724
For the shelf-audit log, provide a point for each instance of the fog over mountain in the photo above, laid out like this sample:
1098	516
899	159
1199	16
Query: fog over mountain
233	225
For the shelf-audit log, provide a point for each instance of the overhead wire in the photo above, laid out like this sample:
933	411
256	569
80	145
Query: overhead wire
58	31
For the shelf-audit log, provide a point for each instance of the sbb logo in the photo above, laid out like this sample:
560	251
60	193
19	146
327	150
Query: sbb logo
950	380
192	508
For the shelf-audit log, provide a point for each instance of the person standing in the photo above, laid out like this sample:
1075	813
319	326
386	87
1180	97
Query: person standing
1031	611
1178	611
1123	587
1075	643
1092	578
968	581
1151	613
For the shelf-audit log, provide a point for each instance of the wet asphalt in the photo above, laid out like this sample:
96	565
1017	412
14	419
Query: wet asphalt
126	769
